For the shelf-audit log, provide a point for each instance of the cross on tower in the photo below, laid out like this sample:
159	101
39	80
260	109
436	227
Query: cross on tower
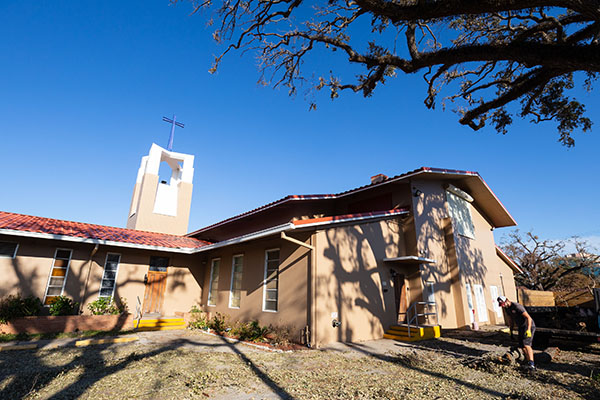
173	123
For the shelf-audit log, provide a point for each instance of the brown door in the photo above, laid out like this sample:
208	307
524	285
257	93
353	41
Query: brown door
156	282
401	299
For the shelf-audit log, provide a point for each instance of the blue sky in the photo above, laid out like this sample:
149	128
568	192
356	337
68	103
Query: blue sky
85	86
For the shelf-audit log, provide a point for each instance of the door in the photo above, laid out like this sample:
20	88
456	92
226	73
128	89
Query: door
156	282
401	298
480	301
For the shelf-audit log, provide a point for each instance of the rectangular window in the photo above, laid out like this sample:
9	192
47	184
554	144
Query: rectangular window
159	264
494	294
271	282
460	212
480	300
109	277
236	281
213	286
58	274
8	249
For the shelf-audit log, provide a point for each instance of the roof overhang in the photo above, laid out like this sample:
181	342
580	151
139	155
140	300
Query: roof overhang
513	265
76	239
409	260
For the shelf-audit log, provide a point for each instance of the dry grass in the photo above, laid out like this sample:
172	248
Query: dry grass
173	371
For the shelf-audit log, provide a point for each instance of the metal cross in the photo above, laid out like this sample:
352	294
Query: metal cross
173	123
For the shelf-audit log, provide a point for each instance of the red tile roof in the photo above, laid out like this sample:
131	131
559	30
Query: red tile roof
28	223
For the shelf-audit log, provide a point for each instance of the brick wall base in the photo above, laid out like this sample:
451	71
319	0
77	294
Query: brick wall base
68	323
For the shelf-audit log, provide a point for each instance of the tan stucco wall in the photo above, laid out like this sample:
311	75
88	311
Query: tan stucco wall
474	259
293	277
350	280
144	218
28	273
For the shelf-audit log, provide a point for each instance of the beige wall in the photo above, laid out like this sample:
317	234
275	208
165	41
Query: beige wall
144	219
350	279
28	273
475	260
293	311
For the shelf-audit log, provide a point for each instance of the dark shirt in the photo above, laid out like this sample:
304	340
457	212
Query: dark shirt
515	311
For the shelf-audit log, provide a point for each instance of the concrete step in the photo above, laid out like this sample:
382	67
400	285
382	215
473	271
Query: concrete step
399	332
159	323
159	328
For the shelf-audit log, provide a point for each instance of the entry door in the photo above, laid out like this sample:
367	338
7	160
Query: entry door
401	298
156	283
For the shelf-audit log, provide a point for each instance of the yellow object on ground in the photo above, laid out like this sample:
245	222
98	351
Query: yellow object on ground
400	332
87	342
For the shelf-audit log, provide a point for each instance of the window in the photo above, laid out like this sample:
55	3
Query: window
236	281
109	278
460	212
271	282
58	274
8	249
430	292
159	264
214	282
470	302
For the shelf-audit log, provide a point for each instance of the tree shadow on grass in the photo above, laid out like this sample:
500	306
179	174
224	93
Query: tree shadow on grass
394	359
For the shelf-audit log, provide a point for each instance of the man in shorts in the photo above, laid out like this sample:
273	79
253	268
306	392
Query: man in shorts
517	315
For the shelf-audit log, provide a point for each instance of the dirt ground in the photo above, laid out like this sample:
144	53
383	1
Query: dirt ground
192	365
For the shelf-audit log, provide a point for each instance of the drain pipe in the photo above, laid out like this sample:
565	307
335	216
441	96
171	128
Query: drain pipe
87	277
310	326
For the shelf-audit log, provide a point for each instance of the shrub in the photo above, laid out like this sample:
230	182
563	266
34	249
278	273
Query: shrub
62	305
15	306
198	319
280	335
217	323
251	331
108	306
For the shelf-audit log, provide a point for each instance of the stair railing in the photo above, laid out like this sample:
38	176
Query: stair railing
414	316
138	312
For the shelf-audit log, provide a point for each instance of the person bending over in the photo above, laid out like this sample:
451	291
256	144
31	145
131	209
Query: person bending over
518	315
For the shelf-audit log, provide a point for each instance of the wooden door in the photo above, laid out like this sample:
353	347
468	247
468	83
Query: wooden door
156	282
401	298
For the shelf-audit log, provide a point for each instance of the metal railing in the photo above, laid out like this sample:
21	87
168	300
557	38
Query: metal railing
138	312
415	315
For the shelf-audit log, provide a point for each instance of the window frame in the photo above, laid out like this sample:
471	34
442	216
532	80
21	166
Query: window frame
62	290
210	281
232	278
265	280
112	294
454	200
14	253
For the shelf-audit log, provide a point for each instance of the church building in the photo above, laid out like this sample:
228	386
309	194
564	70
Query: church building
417	247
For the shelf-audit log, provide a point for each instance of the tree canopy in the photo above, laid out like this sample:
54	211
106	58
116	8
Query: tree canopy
547	265
494	60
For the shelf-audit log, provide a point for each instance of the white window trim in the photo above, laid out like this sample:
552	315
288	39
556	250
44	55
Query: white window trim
494	296
210	281
14	254
469	231
112	295
265	282
471	306
62	290
232	277
430	288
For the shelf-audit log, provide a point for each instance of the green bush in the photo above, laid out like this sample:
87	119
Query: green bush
108	306
198	319
251	331
15	306
217	323
62	305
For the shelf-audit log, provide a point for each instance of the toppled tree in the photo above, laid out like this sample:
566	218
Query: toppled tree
498	59
547	266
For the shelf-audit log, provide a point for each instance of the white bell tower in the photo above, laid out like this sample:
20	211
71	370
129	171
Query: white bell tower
162	206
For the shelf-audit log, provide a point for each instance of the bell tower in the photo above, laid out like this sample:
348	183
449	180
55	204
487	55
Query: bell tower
161	206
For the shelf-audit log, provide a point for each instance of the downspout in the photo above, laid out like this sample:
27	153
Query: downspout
310	323
87	277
